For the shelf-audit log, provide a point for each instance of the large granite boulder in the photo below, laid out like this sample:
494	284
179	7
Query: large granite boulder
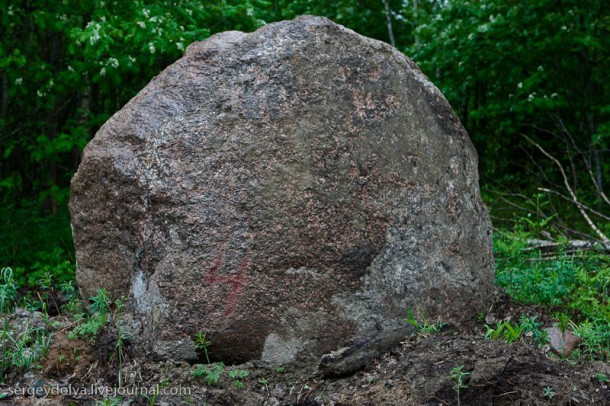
283	191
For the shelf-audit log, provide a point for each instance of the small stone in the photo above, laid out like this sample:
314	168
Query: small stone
491	318
278	391
562	343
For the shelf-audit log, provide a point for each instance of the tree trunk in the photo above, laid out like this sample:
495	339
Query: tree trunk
415	18
50	202
388	16
4	116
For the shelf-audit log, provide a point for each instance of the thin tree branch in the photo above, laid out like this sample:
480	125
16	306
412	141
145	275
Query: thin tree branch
590	210
605	240
587	162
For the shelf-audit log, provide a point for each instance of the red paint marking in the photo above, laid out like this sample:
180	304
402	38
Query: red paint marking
210	276
237	281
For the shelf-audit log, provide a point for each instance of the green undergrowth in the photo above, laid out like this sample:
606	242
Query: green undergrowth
571	287
23	342
574	287
34	244
27	323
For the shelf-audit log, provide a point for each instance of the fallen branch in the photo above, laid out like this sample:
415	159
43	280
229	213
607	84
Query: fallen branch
550	250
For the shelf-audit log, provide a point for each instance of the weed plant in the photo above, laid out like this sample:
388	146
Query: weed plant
210	372
118	353
89	324
152	399
22	350
8	291
423	329
458	376
19	350
238	376
202	343
573	286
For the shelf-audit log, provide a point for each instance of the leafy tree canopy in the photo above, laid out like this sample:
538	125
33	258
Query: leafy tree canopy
511	69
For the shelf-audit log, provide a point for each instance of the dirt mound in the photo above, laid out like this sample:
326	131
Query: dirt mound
419	371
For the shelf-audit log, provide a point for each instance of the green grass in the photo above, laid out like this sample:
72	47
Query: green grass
574	287
33	244
21	350
89	323
423	329
526	326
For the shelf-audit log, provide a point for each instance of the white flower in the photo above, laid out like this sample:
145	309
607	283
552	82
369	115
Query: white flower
51	83
95	35
70	69
146	13
113	62
40	93
564	28
18	81
180	46
141	24
540	68
553	95
103	72
483	28
531	97
520	85
151	47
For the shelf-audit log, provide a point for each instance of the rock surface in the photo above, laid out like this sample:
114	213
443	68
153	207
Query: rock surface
284	191
562	343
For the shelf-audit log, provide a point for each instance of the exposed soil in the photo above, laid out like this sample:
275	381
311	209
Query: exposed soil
417	372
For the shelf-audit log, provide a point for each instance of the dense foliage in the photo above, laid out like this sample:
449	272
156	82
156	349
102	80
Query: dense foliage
65	68
528	80
573	287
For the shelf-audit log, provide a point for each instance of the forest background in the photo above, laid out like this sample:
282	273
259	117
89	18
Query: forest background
530	81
